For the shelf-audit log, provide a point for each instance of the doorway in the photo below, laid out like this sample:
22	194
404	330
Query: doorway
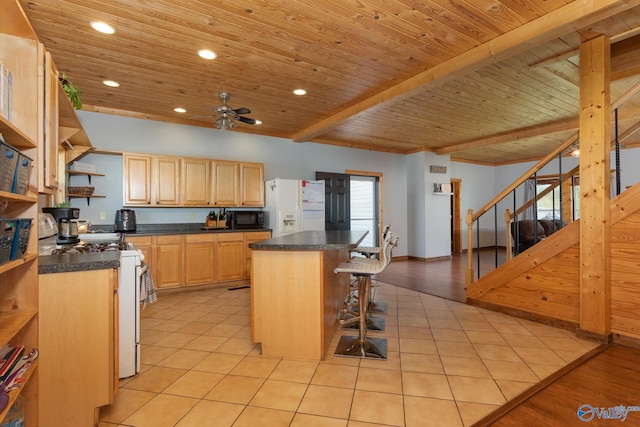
456	216
353	201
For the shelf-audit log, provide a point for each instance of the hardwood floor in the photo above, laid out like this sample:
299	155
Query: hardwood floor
605	385
443	278
606	378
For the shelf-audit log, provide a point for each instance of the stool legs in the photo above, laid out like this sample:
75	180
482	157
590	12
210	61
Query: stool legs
361	346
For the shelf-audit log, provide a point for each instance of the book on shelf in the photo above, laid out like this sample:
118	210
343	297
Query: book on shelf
6	81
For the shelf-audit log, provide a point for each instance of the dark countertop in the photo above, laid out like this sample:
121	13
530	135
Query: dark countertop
312	241
66	263
178	228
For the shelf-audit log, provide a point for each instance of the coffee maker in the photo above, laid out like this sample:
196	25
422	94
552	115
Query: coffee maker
67	219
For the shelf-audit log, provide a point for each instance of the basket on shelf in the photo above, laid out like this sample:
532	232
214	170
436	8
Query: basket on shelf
81	191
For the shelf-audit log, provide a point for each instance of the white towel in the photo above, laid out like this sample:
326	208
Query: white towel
147	289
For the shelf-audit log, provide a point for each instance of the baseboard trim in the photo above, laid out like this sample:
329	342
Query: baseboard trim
594	336
522	314
437	258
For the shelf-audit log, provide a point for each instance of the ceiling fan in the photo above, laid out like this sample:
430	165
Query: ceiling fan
228	117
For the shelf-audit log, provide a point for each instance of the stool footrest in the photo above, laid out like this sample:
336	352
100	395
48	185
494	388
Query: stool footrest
375	324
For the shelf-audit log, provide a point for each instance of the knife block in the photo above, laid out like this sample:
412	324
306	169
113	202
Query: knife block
212	223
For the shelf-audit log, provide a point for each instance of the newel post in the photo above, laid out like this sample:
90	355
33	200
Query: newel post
507	222
469	273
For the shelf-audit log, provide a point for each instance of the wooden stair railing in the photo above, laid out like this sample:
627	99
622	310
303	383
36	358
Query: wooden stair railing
472	217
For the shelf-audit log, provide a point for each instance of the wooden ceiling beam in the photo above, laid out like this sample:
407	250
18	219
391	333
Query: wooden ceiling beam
561	21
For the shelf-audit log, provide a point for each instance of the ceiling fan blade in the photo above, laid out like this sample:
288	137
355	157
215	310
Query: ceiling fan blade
246	120
242	110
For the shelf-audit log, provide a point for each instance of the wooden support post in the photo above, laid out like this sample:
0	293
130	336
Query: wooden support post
595	256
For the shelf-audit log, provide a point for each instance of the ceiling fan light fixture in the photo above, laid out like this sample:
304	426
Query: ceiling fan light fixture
207	54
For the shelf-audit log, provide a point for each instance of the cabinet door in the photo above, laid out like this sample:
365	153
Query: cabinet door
137	179
168	260
252	184
226	183
230	258
166	181
199	255
48	172
196	183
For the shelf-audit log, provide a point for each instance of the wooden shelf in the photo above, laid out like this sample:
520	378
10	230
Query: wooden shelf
13	395
72	172
14	136
12	322
13	197
10	265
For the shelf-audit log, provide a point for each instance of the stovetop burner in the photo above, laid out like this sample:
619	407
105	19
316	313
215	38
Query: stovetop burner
83	248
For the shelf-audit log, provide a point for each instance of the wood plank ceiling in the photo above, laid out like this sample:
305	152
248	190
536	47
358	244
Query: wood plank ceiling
486	81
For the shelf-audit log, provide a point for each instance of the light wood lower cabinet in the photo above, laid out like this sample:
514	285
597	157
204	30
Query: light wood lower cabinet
199	257
230	258
169	261
251	237
78	323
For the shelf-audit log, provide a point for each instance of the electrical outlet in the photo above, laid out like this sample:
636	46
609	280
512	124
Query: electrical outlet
192	215
103	215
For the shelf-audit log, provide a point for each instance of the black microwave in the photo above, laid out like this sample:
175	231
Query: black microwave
245	219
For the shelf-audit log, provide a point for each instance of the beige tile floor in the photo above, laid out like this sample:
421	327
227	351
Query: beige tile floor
449	364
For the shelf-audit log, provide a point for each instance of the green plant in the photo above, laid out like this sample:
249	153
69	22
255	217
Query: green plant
62	205
73	93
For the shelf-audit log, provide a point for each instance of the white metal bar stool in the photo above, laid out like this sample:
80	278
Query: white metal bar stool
361	346
369	252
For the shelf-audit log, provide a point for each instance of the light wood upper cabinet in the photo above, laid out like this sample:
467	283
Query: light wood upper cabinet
48	149
136	179
151	180
252	184
165	183
225	183
195	182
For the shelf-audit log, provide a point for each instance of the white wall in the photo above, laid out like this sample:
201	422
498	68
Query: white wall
282	158
420	218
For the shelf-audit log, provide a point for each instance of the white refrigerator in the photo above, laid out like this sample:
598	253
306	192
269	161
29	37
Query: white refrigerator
293	205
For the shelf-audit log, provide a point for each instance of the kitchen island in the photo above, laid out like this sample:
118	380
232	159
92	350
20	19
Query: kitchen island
295	295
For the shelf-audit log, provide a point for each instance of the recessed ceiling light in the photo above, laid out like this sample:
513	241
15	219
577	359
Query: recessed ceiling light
258	122
179	110
111	83
300	92
207	54
102	27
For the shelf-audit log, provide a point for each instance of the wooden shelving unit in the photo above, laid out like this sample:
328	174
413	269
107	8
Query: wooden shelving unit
88	175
